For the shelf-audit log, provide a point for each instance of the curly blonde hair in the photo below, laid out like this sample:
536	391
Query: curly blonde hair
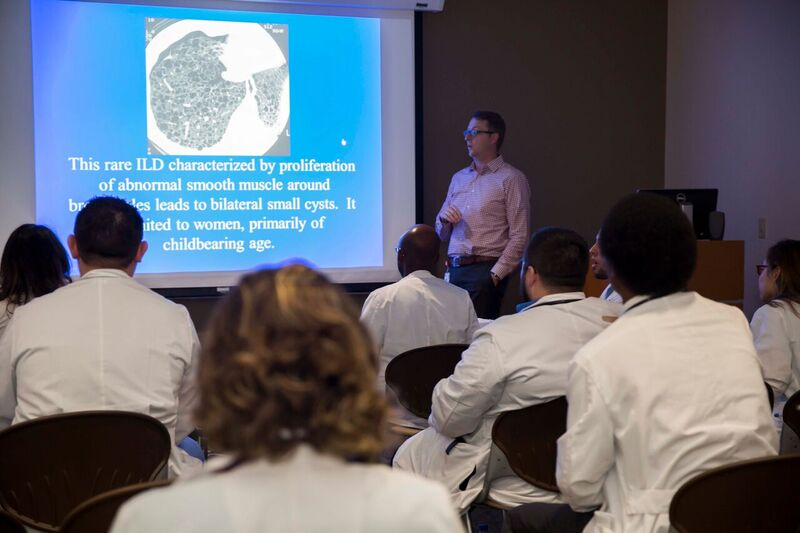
286	361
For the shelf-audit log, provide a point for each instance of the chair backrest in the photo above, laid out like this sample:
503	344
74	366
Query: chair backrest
527	437
9	524
770	395
791	413
96	514
757	495
412	375
50	465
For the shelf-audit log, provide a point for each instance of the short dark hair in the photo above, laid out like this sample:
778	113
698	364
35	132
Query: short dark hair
496	124
560	257
649	244
108	232
34	263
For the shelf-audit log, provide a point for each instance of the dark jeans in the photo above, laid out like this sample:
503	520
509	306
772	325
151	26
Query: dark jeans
475	279
545	518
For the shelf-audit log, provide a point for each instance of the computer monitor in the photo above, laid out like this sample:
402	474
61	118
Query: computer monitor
703	201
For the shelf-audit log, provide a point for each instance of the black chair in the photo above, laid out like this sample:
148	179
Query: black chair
759	495
412	375
524	444
96	514
50	465
9	524
791	413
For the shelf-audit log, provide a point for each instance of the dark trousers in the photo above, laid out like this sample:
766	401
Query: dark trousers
475	279
545	518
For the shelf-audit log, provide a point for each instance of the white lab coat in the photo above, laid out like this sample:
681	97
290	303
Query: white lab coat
670	390
305	493
776	332
419	310
102	342
517	361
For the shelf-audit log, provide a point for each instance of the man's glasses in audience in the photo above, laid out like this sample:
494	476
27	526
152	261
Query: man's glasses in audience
761	268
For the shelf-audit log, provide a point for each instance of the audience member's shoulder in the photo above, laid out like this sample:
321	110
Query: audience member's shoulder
604	306
714	308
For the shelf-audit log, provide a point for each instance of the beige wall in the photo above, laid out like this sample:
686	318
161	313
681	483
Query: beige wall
581	84
733	115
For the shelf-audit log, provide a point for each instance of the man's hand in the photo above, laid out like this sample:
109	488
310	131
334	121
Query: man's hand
451	215
494	277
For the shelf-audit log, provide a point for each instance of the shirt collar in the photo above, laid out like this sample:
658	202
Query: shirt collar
493	165
420	274
635	301
106	273
578	295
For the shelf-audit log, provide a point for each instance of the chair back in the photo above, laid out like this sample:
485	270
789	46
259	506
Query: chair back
412	375
757	495
9	524
527	437
96	514
791	413
50	465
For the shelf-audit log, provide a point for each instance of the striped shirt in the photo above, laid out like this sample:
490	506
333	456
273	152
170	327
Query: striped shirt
495	210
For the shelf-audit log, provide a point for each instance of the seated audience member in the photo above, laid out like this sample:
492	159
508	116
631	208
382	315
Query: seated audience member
776	325
104	341
672	389
287	391
34	263
598	266
517	361
419	310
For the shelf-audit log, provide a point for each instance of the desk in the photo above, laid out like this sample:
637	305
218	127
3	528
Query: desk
719	274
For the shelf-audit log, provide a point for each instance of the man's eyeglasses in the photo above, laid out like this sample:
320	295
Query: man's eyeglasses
761	268
397	249
475	133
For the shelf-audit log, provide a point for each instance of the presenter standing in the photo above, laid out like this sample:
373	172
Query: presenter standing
485	217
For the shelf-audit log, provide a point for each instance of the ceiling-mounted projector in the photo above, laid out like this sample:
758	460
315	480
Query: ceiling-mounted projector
415	5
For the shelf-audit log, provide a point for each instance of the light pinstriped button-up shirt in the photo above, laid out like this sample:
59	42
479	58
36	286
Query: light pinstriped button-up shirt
494	205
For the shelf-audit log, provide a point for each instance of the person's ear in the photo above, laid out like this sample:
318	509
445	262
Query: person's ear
531	276
72	244
141	251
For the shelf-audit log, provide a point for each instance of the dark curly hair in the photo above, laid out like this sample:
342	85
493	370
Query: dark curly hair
34	263
649	244
286	361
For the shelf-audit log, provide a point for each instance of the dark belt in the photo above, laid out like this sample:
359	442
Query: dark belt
464	260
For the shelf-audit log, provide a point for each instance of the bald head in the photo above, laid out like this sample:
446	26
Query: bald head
418	249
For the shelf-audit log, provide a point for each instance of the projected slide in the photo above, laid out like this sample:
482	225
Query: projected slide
243	138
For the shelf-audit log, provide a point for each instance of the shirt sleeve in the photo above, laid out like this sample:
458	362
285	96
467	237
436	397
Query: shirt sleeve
444	229
518	196
8	394
460	401
187	394
586	450
772	344
472	320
